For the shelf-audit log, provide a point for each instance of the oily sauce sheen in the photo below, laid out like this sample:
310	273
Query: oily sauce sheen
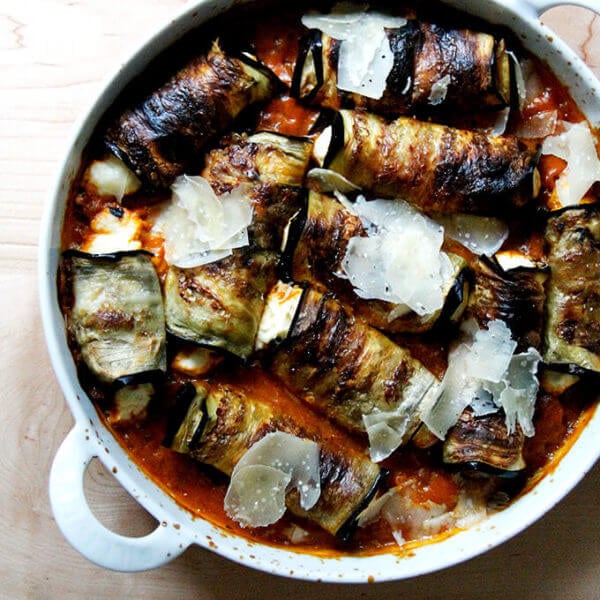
201	489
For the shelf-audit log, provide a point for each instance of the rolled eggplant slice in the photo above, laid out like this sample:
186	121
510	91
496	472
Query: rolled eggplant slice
572	333
434	167
483	445
117	318
265	157
515	296
223	421
434	67
317	255
220	304
347	369
164	135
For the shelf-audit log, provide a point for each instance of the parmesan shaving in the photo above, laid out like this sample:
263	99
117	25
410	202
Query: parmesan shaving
260	480
401	259
439	90
365	57
577	147
200	227
484	372
481	235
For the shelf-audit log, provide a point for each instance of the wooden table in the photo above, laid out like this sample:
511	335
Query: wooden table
53	56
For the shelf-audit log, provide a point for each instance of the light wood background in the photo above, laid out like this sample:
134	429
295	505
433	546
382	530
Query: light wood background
53	56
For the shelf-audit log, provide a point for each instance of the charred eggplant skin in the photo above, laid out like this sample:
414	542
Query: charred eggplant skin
346	369
516	297
434	167
265	157
483	445
116	315
572	329
235	420
472	67
164	135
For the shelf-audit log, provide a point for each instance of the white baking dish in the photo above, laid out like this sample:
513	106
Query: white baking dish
177	529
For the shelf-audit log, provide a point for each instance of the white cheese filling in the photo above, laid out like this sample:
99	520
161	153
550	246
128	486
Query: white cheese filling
111	177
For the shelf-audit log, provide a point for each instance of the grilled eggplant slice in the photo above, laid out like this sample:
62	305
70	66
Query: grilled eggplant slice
117	317
224	420
164	135
434	167
317	256
572	333
434	67
266	156
220	304
346	369
483	445
515	296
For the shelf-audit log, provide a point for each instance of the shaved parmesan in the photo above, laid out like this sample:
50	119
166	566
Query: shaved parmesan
260	480
439	90
112	233
200	227
576	146
401	259
365	57
539	125
519	80
484	372
481	235
325	180
111	177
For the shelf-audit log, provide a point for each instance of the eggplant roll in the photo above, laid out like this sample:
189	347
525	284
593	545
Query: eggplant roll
483	445
164	135
434	67
267	157
117	317
319	246
224	420
572	334
515	296
347	369
434	167
220	304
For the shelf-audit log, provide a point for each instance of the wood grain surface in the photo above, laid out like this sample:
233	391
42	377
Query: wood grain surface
53	56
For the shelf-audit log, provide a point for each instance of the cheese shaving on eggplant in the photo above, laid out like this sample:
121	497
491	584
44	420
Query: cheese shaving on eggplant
365	57
200	227
271	467
577	147
439	90
401	259
484	372
481	235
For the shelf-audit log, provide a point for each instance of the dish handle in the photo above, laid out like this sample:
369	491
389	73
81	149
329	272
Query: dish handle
541	6
83	530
